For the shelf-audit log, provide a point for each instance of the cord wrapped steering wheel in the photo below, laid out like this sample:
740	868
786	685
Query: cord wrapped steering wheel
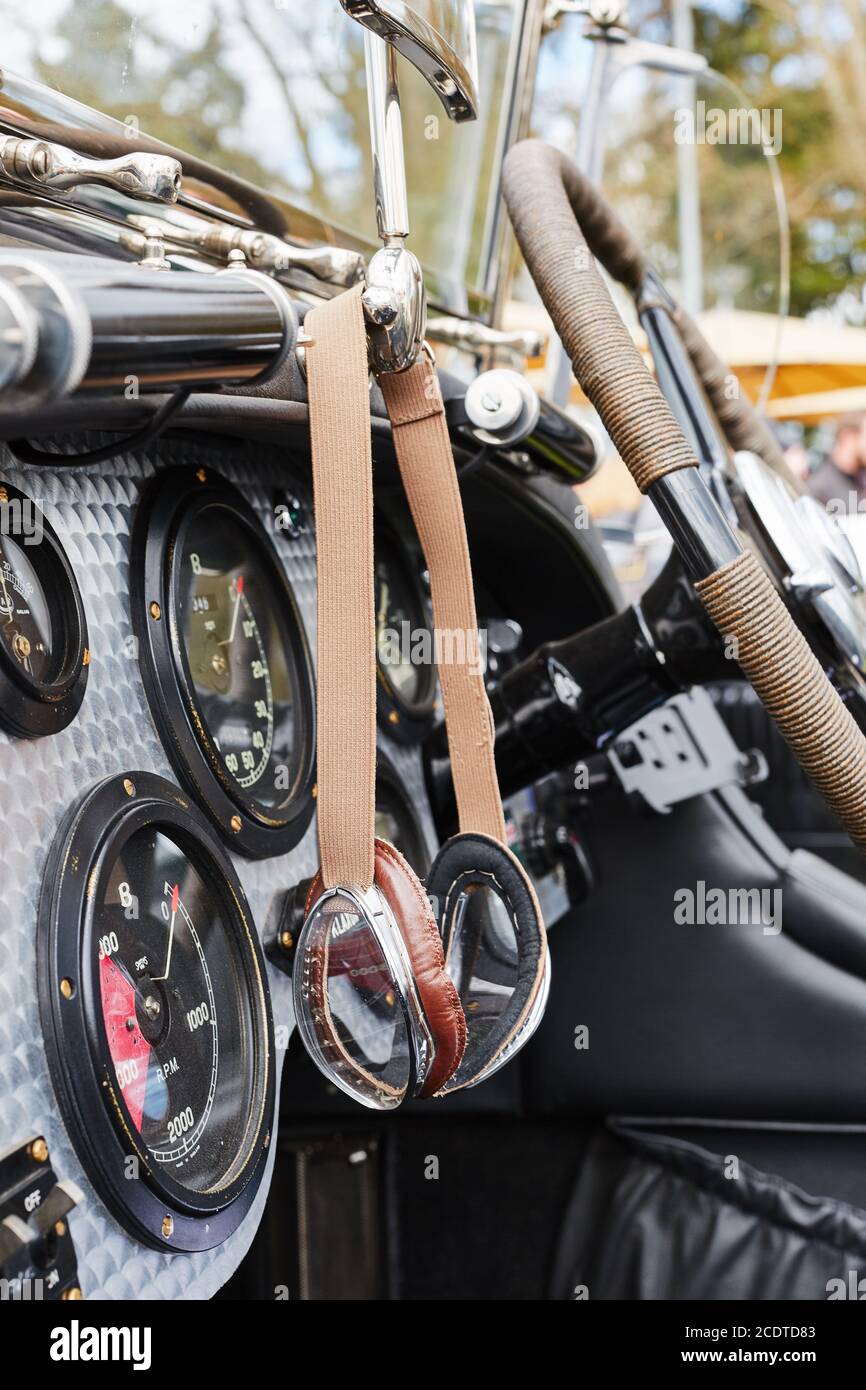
562	222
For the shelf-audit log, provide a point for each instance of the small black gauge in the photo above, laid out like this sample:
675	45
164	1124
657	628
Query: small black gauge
396	818
43	633
156	1013
406	665
225	660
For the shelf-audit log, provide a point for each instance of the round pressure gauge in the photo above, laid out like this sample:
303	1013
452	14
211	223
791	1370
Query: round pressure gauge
156	1013
225	660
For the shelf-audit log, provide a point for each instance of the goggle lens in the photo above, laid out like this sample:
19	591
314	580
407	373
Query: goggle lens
349	1005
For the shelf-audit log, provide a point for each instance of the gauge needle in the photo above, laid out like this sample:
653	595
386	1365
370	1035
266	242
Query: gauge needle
239	588
383	605
7	605
175	897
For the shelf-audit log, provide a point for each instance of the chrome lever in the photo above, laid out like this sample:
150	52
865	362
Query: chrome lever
331	265
54	168
470	336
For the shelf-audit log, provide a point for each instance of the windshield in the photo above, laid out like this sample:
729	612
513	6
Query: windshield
274	92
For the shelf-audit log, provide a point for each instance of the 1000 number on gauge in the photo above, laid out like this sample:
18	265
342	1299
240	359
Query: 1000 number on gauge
173	1007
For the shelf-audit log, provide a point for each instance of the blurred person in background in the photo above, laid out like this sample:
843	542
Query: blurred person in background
843	473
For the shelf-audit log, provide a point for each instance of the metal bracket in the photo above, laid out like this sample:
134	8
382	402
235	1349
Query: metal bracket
155	178
37	1255
681	750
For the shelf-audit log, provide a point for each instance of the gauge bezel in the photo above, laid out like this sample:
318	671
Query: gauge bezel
31	708
390	785
405	721
76	1043
176	497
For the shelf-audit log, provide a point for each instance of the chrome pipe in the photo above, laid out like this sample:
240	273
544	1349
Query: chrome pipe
699	527
102	326
386	135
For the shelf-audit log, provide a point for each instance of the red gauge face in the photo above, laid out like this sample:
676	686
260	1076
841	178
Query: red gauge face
175	1009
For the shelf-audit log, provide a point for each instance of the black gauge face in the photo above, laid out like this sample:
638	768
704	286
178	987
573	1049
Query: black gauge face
176	1010
26	630
225	660
156	1013
43	637
404	640
246	681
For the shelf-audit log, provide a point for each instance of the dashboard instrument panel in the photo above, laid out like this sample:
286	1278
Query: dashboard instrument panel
225	660
156	1013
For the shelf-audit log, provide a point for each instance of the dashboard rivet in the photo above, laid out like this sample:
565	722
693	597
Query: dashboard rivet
85	658
393	717
67	989
73	1294
315	790
235	824
287	941
168	1227
155	611
60	1229
201	475
129	786
39	1150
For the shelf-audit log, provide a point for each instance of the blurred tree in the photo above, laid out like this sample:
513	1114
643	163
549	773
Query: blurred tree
808	58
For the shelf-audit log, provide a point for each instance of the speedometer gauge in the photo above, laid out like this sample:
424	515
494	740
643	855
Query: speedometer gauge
225	660
156	1014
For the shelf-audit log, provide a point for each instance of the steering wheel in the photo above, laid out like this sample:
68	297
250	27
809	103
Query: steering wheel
562	223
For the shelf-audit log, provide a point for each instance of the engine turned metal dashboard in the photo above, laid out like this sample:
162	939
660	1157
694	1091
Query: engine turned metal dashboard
187	1122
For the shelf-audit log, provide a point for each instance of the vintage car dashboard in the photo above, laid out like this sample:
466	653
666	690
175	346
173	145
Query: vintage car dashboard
157	770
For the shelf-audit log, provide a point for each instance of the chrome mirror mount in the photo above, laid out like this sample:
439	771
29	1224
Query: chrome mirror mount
394	299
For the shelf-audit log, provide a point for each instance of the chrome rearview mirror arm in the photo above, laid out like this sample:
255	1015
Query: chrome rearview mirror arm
394	300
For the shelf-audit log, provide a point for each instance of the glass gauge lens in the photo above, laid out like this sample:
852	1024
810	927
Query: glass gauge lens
176	1010
232	619
26	629
397	822
404	638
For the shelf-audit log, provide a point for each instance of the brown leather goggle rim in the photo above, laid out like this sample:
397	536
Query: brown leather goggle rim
437	995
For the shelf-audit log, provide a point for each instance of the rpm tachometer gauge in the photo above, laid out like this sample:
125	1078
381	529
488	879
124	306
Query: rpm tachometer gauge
225	660
156	1013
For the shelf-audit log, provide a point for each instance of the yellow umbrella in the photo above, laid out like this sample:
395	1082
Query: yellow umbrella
821	368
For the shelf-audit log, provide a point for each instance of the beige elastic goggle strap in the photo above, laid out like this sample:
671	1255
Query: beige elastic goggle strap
340	429
340	436
426	464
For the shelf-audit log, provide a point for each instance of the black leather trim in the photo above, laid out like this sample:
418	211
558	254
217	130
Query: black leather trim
469	859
